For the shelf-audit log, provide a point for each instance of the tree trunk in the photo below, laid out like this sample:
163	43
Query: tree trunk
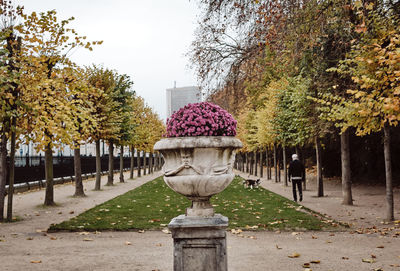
48	164
11	174
159	166
320	183
3	172
132	163
98	166
267	164
110	180
261	165
121	165
246	161
139	171
388	174
250	163
279	170
346	170
285	177
255	163
275	165
78	173
151	163
303	160
144	164
156	161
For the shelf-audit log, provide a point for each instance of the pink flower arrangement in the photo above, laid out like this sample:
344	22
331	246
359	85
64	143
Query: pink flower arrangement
201	119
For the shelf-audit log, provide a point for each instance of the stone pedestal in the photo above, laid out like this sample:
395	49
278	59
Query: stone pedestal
199	243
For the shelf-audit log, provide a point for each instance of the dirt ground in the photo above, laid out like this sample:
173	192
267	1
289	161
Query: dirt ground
369	244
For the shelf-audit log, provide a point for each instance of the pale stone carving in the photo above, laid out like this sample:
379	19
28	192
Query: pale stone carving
198	168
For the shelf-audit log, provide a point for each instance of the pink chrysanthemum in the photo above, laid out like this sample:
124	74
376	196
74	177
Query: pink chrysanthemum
201	119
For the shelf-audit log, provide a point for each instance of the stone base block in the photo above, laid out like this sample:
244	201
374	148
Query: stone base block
199	243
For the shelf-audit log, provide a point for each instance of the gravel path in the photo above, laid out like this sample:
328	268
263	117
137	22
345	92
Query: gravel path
25	245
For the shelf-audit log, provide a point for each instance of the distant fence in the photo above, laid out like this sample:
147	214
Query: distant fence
31	168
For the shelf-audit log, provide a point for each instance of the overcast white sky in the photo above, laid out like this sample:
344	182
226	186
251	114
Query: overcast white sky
146	39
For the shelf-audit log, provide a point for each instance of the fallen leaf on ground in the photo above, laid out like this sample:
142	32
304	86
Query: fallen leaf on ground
380	247
53	238
306	265
368	260
87	239
167	231
278	247
29	238
128	243
159	245
236	231
345	258
36	261
315	261
142	231
251	227
294	255
314	237
84	233
71	212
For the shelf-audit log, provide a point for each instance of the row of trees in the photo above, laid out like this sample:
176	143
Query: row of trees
49	100
306	69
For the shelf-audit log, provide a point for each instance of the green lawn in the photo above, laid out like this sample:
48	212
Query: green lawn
154	204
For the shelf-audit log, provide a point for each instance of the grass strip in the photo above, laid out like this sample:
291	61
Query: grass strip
154	204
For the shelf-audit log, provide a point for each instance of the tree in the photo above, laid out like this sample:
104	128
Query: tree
137	104
374	66
106	117
81	101
148	128
10	102
124	95
47	45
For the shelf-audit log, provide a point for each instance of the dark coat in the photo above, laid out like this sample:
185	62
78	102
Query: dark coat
296	169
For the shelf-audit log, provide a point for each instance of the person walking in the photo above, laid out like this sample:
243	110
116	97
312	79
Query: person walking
297	175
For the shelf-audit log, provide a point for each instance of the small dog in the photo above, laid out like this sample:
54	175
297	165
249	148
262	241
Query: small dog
250	183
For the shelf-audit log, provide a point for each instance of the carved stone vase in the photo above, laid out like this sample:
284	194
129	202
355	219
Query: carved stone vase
198	168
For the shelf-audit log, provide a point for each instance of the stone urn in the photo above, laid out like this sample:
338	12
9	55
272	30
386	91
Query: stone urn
198	167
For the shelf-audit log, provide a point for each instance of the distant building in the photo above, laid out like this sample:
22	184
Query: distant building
179	97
